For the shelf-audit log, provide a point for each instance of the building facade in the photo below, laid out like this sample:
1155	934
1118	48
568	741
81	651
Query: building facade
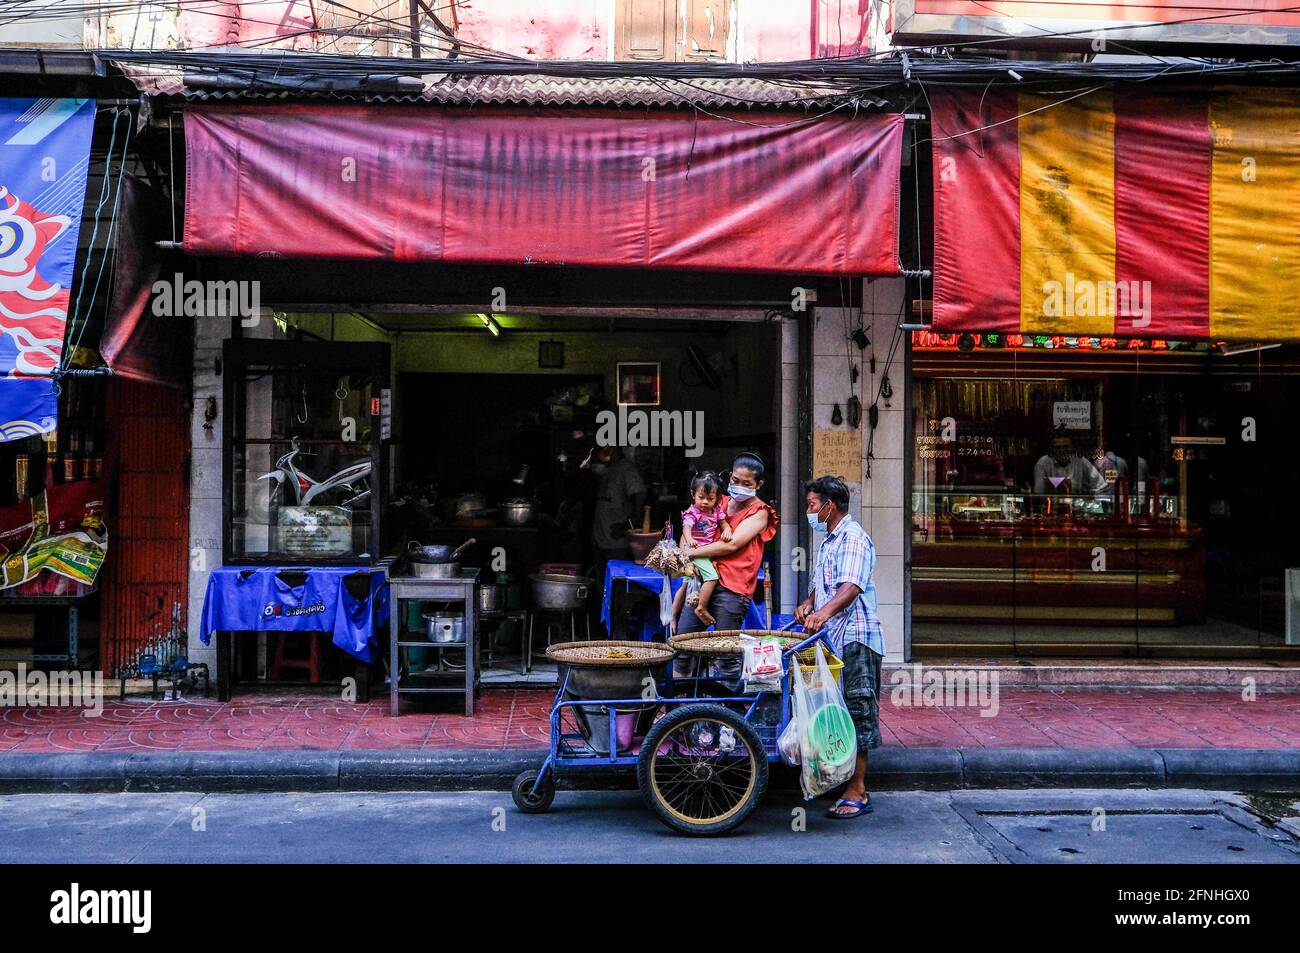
1046	338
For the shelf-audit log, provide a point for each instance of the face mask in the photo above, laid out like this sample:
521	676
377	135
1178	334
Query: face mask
741	493
816	524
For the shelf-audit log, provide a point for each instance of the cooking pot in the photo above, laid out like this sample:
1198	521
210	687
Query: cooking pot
435	554
560	593
516	512
444	628
435	570
490	597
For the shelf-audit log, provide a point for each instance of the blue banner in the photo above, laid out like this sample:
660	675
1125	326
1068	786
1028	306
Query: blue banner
44	160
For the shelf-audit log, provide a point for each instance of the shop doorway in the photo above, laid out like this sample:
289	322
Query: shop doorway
490	430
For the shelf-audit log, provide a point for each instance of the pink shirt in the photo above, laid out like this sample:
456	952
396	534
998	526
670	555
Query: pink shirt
704	526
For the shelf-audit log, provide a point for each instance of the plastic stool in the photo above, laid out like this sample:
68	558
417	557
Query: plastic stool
310	664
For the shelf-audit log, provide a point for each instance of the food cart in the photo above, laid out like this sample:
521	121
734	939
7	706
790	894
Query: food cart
701	744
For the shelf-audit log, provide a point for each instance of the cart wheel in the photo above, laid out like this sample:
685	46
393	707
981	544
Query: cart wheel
526	800
702	769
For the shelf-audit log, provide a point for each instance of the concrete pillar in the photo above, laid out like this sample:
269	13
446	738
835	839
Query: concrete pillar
205	479
879	491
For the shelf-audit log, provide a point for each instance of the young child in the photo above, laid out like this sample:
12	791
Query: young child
702	524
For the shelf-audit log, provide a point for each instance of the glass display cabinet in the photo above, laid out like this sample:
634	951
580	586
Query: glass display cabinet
303	461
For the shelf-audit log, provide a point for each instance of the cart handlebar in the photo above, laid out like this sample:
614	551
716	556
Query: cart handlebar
819	637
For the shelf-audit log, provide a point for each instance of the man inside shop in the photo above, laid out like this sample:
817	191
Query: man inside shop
1063	471
620	495
842	601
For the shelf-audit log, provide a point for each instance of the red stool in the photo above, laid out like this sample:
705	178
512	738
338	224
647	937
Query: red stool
311	664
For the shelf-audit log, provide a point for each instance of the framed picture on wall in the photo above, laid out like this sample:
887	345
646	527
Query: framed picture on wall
638	384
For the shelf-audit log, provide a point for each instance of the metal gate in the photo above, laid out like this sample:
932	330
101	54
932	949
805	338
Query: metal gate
144	584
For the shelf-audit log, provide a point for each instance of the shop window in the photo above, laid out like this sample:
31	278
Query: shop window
302	473
1085	499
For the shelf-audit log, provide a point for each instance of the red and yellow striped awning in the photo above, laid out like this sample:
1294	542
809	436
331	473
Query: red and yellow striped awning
1118	213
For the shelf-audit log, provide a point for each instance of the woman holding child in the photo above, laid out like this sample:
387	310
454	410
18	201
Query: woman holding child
744	524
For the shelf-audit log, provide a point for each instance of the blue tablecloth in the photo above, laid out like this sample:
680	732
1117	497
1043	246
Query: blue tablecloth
257	599
630	574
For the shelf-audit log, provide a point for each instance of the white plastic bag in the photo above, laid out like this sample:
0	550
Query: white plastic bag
788	743
828	744
666	602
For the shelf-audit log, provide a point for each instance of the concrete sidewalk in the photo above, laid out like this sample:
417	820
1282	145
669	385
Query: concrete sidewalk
1056	737
517	719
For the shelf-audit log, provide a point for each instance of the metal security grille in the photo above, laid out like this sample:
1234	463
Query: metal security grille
144	585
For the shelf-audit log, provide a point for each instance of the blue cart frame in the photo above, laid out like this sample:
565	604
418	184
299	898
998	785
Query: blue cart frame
571	751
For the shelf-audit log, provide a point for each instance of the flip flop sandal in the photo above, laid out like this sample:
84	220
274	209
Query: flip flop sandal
860	809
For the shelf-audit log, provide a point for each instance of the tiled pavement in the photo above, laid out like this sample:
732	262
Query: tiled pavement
518	719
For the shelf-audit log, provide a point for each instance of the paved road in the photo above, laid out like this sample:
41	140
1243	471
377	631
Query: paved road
935	827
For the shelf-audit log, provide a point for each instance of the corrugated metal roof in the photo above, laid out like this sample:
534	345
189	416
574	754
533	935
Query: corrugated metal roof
227	85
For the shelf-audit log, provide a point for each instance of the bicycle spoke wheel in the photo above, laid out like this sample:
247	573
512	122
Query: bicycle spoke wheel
702	769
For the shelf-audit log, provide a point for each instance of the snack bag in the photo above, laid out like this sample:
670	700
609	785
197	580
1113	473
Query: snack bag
828	742
761	670
668	558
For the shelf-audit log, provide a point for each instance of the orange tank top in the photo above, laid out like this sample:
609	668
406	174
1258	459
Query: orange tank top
739	571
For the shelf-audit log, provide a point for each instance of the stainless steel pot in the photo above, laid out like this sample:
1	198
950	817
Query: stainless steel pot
516	512
444	628
490	597
560	593
435	570
587	683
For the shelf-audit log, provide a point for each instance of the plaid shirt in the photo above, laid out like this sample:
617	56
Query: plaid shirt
847	555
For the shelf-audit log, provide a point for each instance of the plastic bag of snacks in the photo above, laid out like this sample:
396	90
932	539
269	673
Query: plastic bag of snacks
828	743
668	558
761	669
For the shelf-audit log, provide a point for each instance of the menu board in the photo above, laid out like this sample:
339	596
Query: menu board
838	453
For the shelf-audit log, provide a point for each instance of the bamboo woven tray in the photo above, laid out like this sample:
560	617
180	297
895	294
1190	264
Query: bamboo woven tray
610	653
725	642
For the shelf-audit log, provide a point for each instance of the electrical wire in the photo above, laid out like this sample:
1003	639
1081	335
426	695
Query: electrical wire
70	347
103	199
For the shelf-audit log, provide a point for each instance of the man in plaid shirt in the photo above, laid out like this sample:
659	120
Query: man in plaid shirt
842	602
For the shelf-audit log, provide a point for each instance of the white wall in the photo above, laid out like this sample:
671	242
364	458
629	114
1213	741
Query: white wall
880	502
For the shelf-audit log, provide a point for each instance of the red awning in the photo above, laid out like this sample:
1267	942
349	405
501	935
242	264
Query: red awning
137	343
758	193
1118	213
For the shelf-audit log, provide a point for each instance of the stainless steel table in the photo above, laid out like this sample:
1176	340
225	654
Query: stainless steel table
417	588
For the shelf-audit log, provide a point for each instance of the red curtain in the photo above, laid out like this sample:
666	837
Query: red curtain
777	193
